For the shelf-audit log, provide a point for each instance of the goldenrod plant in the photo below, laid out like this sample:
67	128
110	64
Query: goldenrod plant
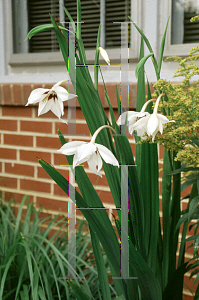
181	101
153	270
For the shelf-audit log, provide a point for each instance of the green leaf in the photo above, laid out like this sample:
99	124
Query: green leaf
101	269
98	220
97	59
166	198
70	18
149	47
5	272
192	205
141	64
42	28
148	283
77	291
174	288
78	19
41	293
175	216
118	101
162	48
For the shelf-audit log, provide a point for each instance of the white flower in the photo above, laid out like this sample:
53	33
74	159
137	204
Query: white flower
151	123
133	117
50	99
90	152
104	54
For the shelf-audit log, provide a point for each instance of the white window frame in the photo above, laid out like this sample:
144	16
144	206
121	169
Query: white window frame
50	58
177	49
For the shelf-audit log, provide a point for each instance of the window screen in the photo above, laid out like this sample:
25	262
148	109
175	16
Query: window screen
115	11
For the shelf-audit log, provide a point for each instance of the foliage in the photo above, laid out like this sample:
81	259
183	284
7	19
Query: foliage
153	270
181	101
33	255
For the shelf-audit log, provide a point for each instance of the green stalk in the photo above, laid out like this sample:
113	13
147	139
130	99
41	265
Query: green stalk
175	216
166	198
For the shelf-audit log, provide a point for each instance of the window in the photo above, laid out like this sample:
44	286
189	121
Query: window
181	32
94	12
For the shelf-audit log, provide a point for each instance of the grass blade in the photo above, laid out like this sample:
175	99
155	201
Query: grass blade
141	63
162	48
101	269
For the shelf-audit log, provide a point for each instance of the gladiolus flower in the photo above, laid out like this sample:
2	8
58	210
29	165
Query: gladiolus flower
50	99
104	54
151	123
132	117
90	152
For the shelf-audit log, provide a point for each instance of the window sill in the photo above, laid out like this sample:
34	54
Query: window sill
178	49
52	58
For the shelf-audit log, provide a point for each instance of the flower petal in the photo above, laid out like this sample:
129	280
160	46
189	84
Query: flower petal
123	116
57	108
93	161
85	151
141	122
70	148
37	95
45	106
107	155
104	54
152	124
62	93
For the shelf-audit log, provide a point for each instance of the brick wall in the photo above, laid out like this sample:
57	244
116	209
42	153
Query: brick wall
25	137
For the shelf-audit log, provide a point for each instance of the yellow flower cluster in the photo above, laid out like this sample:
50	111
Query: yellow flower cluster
181	103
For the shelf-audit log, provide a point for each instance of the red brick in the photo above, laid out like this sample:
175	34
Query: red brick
17	94
26	91
106	197
97	180
59	191
48	142
8	153
17	197
186	192
34	155
60	159
8	182
80	129
41	173
161	152
111	90
51	115
8	125
188	297
1	96
19	169
34	185
0	166
18	111
18	140
33	126
79	114
7	94
56	205
62	127
102	94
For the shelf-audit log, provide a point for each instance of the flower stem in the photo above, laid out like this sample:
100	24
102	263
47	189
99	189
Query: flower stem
62	81
157	103
145	105
98	130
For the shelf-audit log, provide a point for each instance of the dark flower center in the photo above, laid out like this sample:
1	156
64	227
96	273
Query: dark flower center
52	95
